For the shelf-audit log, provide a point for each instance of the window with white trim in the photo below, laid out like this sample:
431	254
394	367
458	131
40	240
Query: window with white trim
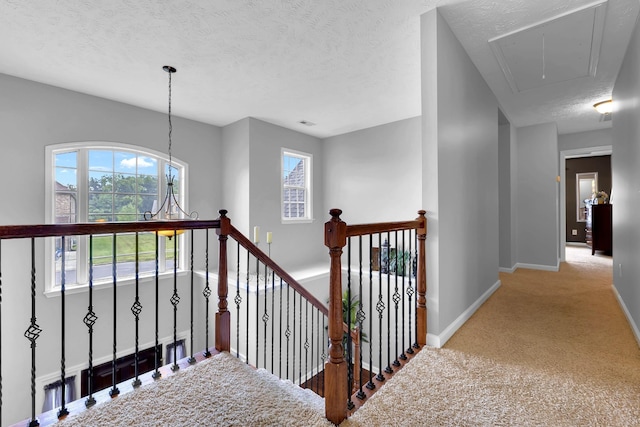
296	186
98	182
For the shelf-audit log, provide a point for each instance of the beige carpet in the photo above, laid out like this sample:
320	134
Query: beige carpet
547	349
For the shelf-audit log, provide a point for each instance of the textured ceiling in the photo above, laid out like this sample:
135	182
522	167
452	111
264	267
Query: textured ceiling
344	65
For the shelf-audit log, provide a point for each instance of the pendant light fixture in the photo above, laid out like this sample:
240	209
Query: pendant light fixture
604	107
170	209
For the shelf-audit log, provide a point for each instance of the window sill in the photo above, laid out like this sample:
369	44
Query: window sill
297	221
108	284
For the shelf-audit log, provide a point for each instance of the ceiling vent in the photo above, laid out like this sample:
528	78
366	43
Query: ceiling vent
306	123
562	48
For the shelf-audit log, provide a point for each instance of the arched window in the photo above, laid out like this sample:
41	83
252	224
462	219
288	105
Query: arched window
98	182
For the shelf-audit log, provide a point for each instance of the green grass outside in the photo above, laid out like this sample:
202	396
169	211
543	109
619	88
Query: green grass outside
126	248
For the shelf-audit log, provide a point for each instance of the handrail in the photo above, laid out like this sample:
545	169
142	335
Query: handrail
380	227
56	230
264	258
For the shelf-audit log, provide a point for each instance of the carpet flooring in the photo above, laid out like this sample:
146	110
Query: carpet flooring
546	349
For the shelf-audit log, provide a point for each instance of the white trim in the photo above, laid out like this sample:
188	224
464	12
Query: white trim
538	266
439	340
623	306
573	154
508	270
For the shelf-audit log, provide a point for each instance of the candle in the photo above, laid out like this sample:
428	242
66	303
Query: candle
269	237
256	234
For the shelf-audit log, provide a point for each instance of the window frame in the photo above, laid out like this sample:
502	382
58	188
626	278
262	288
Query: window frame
82	268
308	203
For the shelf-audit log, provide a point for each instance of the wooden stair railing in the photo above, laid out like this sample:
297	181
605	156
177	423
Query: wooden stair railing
337	233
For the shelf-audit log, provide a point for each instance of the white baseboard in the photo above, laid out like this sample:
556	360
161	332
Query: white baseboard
537	267
508	270
632	323
439	340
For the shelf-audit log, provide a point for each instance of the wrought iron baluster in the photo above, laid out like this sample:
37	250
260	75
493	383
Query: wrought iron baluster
347	339
136	309
406	264
396	296
370	384
114	390
300	341
89	320
248	309
63	279
280	334
32	333
317	375
287	332
293	349
156	374
410	291
207	293
388	369
306	341
273	337
257	312
380	308
0	331
360	318
191	359
415	343
265	316
237	300
175	300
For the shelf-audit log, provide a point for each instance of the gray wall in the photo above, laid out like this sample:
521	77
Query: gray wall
626	183
383	167
593	138
460	179
507	195
34	115
538	196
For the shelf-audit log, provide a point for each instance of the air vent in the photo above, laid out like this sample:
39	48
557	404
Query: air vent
306	123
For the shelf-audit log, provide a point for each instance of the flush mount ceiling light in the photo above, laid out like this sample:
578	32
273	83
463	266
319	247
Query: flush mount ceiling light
170	209
604	107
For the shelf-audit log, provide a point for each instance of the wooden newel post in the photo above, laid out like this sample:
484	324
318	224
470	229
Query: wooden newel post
335	371
223	316
421	310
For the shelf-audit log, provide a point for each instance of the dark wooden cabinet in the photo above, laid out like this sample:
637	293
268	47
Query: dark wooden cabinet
599	228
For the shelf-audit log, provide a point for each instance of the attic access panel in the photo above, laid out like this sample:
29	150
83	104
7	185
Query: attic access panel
562	48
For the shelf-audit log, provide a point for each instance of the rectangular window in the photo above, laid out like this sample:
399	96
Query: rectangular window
296	186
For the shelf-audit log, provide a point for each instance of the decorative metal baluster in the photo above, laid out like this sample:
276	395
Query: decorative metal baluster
32	333
323	356
191	359
136	309
370	384
396	297
406	266
207	293
175	300
300	342
293	348
0	331
273	337
360	318
248	307
380	308
280	334
63	279
349	340
257	312
415	343
306	341
410	291
389	369
156	374
314	366
114	268
89	320
265	317
287	332
237	300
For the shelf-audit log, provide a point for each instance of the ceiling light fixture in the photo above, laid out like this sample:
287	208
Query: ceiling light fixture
170	209
604	107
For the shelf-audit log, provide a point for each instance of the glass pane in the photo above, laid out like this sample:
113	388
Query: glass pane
65	208
66	179
301	213
124	204
125	162
125	183
100	217
147	204
147	184
70	261
100	182
147	166
101	160
100	204
67	160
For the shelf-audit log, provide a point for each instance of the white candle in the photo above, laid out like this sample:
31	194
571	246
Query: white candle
269	237
256	234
